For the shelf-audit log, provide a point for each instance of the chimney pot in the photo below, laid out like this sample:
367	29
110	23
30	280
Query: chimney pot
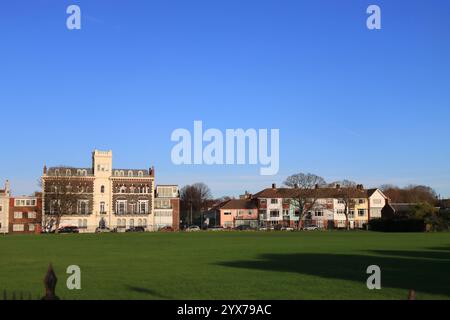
274	186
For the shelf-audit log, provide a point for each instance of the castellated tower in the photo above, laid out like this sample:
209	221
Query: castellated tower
102	169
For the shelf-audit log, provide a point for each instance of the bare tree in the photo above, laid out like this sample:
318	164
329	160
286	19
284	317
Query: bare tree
194	198
61	198
346	191
304	193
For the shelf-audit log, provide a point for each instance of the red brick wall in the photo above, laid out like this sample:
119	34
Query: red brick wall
25	220
175	214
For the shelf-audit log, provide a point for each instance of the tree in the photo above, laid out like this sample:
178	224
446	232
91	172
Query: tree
193	199
346	190
304	193
410	194
61	198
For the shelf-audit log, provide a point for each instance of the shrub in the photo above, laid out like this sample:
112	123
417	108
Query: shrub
397	225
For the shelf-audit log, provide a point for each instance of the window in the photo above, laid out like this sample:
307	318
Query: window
361	201
340	211
18	227
121	207
240	212
144	223
130	173
31	215
274	213
18	215
263	201
341	201
143	206
227	213
250	212
318	213
131	223
377	201
30	227
132	208
68	172
351	214
140	174
285	212
102	189
1	208
83	206
361	212
274	201
102	207
140	223
123	189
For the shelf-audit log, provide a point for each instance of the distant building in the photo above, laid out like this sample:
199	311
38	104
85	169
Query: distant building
106	197
276	206
167	207
4	208
235	213
25	214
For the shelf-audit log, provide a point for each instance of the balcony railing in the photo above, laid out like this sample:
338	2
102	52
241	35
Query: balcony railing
125	213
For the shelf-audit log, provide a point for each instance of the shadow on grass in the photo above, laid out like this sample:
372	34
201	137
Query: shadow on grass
148	292
422	271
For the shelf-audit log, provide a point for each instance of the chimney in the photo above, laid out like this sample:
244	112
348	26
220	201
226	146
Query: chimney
360	187
45	169
151	171
316	186
7	186
338	186
274	186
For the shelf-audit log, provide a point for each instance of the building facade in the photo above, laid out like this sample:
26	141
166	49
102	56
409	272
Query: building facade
167	207
235	213
98	197
4	208
25	214
278	206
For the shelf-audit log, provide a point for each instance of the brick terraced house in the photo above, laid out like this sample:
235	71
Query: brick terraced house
25	214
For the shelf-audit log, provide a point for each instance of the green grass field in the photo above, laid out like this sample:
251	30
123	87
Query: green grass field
230	265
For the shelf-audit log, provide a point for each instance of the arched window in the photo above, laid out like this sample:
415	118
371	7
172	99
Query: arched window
140	174
140	223
130	173
102	189
122	173
131	223
68	172
144	223
57	172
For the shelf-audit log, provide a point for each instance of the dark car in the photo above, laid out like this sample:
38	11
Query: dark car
68	230
243	227
135	229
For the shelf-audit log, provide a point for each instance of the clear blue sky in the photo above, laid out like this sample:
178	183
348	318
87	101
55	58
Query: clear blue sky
371	106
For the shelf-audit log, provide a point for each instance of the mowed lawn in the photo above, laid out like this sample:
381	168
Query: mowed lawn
230	265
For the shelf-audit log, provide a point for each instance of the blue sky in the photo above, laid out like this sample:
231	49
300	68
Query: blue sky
371	106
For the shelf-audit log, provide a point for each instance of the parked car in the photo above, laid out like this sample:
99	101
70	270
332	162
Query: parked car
287	229
69	229
193	228
166	229
135	229
216	228
311	228
263	229
243	227
278	227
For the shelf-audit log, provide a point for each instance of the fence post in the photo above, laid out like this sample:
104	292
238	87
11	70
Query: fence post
50	281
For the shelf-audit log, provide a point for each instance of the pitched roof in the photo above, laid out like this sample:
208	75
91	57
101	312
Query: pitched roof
240	204
319	192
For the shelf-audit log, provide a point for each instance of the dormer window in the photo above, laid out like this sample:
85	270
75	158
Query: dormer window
68	172
130	173
140	174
